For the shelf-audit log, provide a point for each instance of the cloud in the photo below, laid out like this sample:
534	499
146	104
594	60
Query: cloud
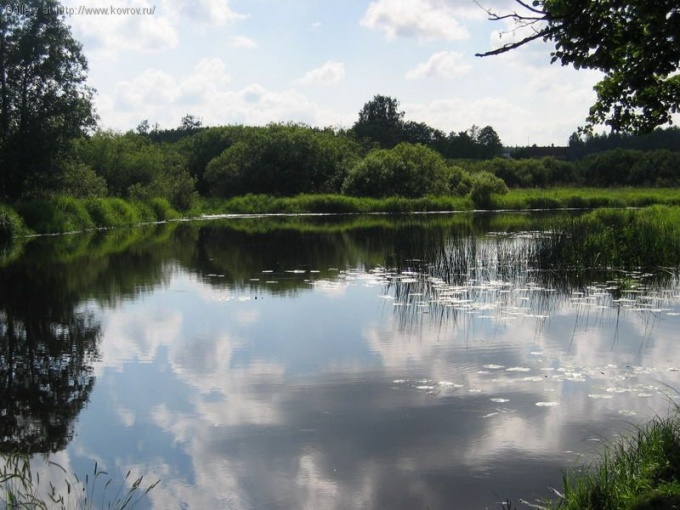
328	74
444	64
425	19
109	34
156	30
205	12
164	97
156	87
239	41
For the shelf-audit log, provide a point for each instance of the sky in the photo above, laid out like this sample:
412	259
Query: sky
317	62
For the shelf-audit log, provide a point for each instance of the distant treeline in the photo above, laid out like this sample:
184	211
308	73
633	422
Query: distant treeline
382	155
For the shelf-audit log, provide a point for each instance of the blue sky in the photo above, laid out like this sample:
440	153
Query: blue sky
318	61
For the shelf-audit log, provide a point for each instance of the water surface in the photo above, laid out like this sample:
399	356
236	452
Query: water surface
327	362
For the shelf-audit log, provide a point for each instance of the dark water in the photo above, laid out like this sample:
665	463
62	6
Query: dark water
326	362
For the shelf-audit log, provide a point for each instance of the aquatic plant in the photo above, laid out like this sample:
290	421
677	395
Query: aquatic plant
623	239
20	488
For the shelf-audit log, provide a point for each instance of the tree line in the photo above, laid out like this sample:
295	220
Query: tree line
50	144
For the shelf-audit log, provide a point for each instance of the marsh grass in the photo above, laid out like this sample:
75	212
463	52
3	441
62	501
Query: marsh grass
640	471
584	198
267	204
66	214
20	488
624	239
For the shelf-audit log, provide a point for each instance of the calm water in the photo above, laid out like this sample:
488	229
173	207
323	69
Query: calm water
326	362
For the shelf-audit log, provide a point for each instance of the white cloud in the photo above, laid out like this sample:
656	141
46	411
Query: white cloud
240	41
444	64
425	19
109	34
155	88
154	31
328	74
204	12
164	97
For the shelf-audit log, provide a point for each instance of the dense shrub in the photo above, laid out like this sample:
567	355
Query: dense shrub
406	170
282	160
11	224
485	184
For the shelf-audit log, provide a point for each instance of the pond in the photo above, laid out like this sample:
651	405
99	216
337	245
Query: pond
326	362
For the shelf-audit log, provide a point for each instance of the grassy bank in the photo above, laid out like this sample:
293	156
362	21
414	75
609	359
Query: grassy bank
585	198
640	471
65	214
516	199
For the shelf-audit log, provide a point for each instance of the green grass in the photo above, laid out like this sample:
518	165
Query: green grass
585	198
266	204
619	238
640	471
66	214
516	199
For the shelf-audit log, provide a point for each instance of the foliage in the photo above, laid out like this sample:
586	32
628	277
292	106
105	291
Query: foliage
282	160
406	170
484	185
622	167
380	120
198	149
134	167
633	42
381	123
79	181
11	224
44	101
580	146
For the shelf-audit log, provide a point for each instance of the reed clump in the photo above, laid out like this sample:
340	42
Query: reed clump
624	239
640	471
20	487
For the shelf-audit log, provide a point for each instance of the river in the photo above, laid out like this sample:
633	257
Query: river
326	362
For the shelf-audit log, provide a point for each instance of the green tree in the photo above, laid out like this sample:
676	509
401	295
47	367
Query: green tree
135	167
282	160
380	120
489	142
406	170
633	42
44	99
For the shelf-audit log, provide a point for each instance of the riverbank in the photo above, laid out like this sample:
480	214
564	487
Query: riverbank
65	214
639	471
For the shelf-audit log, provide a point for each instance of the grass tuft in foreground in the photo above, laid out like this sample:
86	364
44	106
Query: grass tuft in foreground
20	488
639	471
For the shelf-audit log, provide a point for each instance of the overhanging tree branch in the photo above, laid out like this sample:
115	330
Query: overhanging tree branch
511	46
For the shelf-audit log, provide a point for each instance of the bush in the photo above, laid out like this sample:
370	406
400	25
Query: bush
80	181
406	170
11	224
485	184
